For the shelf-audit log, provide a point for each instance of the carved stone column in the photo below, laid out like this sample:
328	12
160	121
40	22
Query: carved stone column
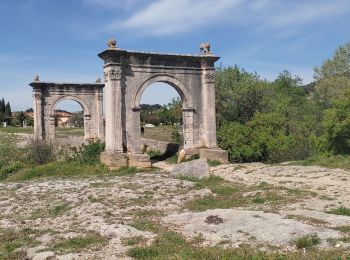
114	131
208	101
38	120
187	114
99	116
113	156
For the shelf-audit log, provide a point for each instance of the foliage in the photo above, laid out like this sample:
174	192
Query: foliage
170	245
268	121
337	125
77	119
40	152
87	153
169	114
340	211
9	152
333	77
307	241
177	137
5	112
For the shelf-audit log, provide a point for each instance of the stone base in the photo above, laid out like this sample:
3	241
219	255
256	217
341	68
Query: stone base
139	160
114	160
216	154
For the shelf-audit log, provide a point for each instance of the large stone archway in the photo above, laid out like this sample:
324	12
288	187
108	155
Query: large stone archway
48	94
128	73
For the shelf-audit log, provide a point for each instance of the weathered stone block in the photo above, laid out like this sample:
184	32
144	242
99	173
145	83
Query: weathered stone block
214	154
139	160
114	160
196	168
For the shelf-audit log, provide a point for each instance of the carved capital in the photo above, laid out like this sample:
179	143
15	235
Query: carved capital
37	96
99	97
112	74
210	77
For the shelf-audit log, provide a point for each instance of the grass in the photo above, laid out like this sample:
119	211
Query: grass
17	130
145	224
231	195
135	240
344	229
51	212
159	133
307	241
170	245
340	211
71	131
11	241
329	161
64	169
60	131
213	163
77	244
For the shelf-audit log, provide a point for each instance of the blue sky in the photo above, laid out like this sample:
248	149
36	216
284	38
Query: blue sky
60	39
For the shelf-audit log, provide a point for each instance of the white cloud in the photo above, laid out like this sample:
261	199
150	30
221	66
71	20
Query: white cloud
306	12
165	17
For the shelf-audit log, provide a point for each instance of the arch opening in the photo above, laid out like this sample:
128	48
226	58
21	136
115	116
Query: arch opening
161	118
68	116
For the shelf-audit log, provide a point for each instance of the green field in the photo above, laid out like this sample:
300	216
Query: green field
159	133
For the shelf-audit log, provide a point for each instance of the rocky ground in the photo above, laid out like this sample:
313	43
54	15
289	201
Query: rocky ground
102	218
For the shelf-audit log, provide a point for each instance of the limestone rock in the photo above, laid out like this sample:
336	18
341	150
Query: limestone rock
196	168
182	156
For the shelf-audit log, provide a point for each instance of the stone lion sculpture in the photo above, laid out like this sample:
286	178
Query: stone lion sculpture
112	43
205	48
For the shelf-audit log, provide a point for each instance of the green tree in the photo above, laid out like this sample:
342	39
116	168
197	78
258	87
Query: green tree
238	94
20	118
77	119
2	105
8	113
333	77
337	125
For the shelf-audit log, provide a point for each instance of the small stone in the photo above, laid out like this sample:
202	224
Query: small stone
214	220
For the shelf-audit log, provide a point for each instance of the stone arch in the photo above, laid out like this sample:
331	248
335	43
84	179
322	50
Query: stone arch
46	96
187	101
80	101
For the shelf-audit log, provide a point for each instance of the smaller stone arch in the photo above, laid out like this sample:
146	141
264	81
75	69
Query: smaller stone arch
46	96
187	101
80	101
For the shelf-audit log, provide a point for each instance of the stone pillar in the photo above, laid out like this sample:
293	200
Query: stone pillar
87	127
113	156
208	103
114	131
187	115
99	116
38	119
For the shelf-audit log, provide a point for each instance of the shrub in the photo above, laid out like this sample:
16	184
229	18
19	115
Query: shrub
40	152
9	152
176	137
6	171
307	241
87	153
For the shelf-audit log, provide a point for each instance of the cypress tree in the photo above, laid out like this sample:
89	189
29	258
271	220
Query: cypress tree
8	113
2	106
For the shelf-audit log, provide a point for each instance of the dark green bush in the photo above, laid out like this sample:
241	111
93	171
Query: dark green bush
40	152
87	153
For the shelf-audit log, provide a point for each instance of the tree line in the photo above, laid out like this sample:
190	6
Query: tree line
280	120
5	111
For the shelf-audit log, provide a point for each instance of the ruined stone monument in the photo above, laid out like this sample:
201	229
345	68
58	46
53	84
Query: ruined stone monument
126	75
